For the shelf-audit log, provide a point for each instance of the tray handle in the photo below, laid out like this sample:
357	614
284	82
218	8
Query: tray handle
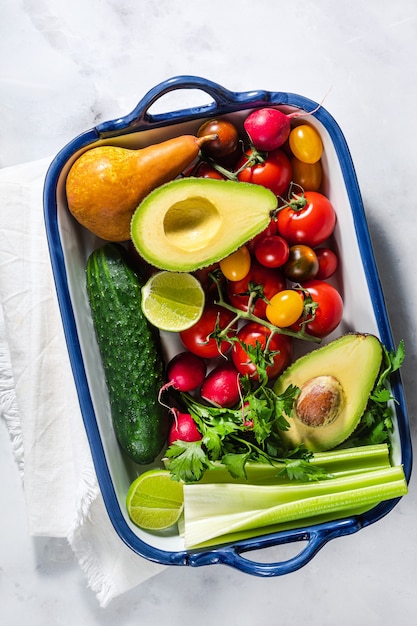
224	101
316	537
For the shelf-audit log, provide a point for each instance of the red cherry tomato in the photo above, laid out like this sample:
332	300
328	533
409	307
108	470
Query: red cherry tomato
272	251
268	282
328	263
274	173
210	288
280	348
204	170
329	312
271	229
198	339
203	274
310	224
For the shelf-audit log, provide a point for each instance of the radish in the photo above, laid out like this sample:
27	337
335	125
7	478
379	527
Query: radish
221	387
185	372
268	128
183	428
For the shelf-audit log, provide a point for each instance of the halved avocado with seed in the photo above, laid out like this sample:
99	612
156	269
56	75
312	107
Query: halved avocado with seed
190	223
335	382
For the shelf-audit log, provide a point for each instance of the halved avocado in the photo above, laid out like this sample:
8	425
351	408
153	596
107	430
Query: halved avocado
190	223
335	382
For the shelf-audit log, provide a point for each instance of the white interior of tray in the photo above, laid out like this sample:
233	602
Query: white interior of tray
77	244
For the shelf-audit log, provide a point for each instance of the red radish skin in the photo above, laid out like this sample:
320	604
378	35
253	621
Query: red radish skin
269	128
221	386
185	372
183	428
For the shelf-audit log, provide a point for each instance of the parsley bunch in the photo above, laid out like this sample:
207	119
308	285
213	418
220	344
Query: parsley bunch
251	432
232	437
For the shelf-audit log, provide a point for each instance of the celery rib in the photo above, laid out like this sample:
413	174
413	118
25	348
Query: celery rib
215	510
342	462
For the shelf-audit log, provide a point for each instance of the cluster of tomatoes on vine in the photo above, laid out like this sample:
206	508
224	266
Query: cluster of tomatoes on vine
274	289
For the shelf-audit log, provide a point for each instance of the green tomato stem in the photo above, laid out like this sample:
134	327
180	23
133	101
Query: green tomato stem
254	158
249	315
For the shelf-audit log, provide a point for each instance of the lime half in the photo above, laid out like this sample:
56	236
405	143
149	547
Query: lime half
172	301
154	501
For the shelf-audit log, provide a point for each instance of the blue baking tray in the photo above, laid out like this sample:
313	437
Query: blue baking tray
70	245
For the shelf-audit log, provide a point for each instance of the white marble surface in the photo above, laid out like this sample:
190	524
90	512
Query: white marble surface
64	66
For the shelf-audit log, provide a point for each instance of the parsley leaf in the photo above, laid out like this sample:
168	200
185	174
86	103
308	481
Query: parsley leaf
235	464
302	470
188	461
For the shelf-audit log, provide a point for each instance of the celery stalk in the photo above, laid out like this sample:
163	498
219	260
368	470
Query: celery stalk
283	526
336	462
215	510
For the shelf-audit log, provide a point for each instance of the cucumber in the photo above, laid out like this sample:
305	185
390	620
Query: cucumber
131	353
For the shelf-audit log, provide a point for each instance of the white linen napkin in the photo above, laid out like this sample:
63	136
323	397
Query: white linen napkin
39	402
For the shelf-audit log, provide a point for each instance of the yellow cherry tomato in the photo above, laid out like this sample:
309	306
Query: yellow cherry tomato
305	143
237	265
307	175
285	308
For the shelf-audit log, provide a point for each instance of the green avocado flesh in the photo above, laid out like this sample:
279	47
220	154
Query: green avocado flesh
335	382
190	223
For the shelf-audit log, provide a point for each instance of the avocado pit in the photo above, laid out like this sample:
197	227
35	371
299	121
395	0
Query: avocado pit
320	401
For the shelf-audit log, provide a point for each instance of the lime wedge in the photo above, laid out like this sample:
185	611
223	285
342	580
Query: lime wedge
154	501
172	301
